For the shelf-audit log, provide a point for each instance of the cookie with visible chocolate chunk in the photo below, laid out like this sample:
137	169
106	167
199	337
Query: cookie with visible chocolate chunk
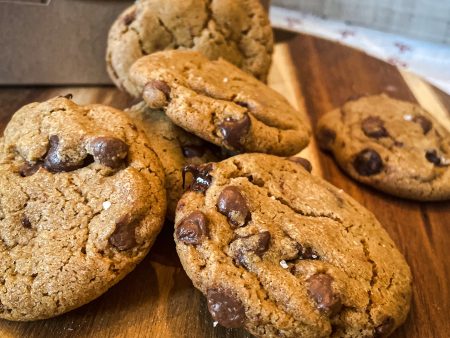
237	30
283	253
175	148
391	145
220	103
81	201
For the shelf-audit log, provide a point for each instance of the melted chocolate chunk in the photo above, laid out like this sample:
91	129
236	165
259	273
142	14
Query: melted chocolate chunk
232	204
225	308
156	93
424	122
67	96
201	177
234	130
124	236
321	291
325	138
433	157
109	151
193	228
373	126
190	151
302	161
29	169
258	244
368	162
385	328
25	222
55	164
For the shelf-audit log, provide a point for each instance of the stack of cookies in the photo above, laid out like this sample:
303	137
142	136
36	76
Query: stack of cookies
211	148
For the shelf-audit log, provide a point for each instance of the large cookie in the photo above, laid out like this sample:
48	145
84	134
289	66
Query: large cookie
236	30
220	103
174	147
283	253
391	145
81	201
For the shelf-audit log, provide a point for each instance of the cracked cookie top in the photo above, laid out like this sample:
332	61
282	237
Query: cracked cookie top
220	103
81	201
236	30
175	148
283	253
392	145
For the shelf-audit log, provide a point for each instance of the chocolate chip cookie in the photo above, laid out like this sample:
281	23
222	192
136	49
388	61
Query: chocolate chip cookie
236	30
283	253
174	147
220	103
81	201
391	145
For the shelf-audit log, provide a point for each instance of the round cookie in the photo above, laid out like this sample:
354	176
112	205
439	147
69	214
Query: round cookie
81	201
391	145
284	253
220	103
174	147
236	30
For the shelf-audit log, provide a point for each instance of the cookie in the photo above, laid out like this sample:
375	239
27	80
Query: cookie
283	253
236	30
391	145
220	103
174	147
81	201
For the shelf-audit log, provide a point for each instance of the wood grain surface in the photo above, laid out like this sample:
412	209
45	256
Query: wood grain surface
158	300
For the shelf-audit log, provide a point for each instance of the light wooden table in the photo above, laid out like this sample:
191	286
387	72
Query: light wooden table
158	300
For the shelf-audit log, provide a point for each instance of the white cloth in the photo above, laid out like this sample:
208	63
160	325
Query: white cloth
429	60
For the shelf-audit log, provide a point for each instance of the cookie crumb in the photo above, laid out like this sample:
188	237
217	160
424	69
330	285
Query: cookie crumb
106	205
283	264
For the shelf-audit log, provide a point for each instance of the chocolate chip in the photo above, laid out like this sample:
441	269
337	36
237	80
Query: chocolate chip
67	96
28	169
385	328
232	204
193	228
201	177
325	137
302	161
109	151
190	151
321	290
257	244
368	162
25	222
373	127
54	163
124	236
156	93
129	18
307	253
424	122
225	308
433	157
234	130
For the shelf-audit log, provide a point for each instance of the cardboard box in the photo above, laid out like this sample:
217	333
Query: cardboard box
55	41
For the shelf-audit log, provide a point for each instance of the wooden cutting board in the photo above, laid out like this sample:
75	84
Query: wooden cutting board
158	300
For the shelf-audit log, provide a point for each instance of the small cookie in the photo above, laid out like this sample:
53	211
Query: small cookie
81	201
220	103
236	30
174	147
283	253
391	145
